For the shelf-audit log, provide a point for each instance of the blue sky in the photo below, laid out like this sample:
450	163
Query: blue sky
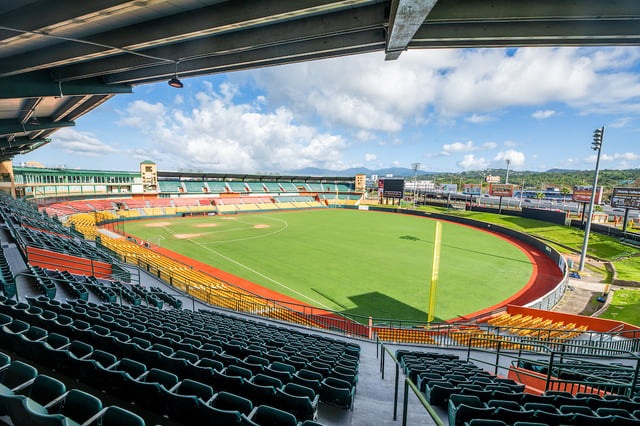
450	110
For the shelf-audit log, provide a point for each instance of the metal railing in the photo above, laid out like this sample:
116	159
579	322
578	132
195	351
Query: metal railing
382	350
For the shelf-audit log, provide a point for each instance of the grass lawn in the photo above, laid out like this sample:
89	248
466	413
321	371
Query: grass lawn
599	245
364	263
625	306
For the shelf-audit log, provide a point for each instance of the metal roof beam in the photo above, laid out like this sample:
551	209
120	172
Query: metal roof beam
69	105
19	142
45	16
8	127
27	109
405	18
40	84
539	33
222	17
326	47
350	20
509	10
86	106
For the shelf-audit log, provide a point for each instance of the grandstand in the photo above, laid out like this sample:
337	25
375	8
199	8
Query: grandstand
229	360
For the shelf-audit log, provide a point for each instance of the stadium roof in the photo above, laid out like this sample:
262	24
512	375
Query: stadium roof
61	59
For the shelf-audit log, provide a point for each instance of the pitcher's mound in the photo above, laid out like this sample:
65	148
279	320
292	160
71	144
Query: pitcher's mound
206	225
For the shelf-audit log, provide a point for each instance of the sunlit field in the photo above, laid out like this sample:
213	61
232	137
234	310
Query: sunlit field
364	263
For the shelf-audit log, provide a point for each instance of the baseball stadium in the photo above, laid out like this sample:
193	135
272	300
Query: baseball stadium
172	297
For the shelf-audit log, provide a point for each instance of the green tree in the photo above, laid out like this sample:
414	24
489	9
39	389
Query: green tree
539	196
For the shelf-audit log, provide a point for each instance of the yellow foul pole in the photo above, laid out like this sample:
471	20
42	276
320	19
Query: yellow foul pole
434	272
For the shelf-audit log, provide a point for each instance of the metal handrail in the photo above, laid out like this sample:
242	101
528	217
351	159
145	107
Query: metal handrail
408	384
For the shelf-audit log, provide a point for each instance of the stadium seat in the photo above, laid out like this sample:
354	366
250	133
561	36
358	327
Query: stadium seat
265	415
16	376
77	405
336	392
115	416
230	402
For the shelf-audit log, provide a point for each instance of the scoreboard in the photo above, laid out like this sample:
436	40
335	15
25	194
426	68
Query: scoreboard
391	188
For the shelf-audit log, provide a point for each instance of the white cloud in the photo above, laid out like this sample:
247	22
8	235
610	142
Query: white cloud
620	122
458	147
479	118
367	93
630	156
517	158
489	145
510	144
448	149
470	162
541	115
370	157
178	100
220	135
80	143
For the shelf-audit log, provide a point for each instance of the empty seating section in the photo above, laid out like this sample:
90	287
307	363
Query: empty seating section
134	203
272	186
217	186
227	201
181	202
255	187
195	186
470	393
236	186
27	397
170	186
194	282
537	327
314	187
159	202
56	243
193	367
593	376
6	276
101	204
289	187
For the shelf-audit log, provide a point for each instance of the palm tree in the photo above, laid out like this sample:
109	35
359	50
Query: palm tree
539	196
565	191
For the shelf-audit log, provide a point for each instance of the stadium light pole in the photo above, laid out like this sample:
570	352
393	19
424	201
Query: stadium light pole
506	180
596	145
415	167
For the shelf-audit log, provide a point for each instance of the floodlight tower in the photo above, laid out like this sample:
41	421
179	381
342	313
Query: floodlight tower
506	180
415	167
596	145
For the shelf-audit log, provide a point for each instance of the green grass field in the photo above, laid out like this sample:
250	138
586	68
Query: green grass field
362	263
624	306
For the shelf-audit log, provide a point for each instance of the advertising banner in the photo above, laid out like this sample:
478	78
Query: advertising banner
582	194
501	189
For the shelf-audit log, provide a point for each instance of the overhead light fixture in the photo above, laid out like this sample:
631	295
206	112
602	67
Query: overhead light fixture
175	81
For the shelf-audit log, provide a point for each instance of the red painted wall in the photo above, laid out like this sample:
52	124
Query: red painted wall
65	262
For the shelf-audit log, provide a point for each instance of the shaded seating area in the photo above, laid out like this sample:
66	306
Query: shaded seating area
189	366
